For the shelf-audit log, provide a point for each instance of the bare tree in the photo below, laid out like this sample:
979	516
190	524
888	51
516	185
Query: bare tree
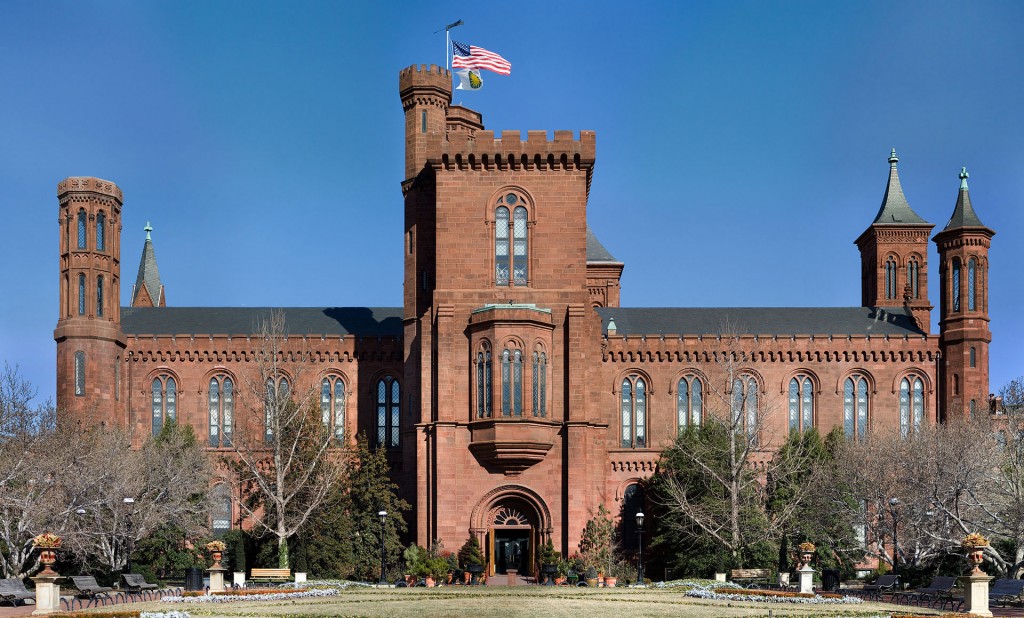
283	449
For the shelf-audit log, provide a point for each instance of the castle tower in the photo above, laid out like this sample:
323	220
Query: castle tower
148	291
964	334
894	255
426	93
88	333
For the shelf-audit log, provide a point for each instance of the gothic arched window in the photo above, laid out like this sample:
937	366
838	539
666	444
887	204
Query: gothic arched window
801	403
911	404
483	381
388	411
512	382
278	391
81	229
890	278
913	272
332	405
956	284
81	293
973	357
79	373
855	407
972	267
220	511
634	412
101	236
99	296
540	384
164	393
221	400
689	402
745	407
511	263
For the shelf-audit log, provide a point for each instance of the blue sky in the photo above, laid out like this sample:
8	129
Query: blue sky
742	146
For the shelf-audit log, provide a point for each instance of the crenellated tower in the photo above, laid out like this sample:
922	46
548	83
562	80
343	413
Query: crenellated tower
88	333
964	334
894	255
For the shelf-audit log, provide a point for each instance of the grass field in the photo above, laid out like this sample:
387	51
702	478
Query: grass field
532	601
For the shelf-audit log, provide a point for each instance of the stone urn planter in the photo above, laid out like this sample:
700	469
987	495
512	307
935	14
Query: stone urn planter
974	544
475	570
47	544
548	572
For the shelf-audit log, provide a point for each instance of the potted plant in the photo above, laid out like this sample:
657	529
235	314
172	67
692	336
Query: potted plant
415	563
48	543
549	559
598	542
471	558
591	577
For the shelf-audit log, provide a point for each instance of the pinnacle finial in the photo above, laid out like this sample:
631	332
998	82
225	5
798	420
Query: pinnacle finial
963	178
893	159
148	229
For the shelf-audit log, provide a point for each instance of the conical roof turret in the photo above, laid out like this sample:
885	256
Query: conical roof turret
963	213
148	291
895	209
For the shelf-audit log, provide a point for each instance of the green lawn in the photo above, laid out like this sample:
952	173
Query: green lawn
526	601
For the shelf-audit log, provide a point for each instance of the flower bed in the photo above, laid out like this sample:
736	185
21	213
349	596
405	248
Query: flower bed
776	593
731	593
244	592
128	614
240	595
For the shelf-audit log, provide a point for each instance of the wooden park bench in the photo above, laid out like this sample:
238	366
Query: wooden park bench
13	590
1005	591
938	592
271	575
136	584
88	587
750	575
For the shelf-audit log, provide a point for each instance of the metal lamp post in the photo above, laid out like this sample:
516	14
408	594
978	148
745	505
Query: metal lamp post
383	517
893	503
640	547
129	503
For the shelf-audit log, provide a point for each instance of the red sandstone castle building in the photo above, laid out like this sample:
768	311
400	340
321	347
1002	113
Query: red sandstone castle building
512	391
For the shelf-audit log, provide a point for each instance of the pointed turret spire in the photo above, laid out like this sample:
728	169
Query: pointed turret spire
963	213
895	209
148	291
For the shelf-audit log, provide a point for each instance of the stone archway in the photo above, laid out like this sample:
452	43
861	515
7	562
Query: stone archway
511	522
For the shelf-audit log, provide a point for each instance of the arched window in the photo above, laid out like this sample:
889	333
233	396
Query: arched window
388	411
512	260
974	407
79	373
634	412
274	406
332	405
540	384
855	407
483	381
220	512
99	296
81	229
745	407
164	393
221	399
511	382
890	278
972	267
689	402
633	502
801	403
956	284
973	357
101	220
81	293
911	404
913	272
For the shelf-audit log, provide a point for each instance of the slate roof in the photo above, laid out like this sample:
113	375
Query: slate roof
963	212
596	251
148	275
759	320
895	210
358	321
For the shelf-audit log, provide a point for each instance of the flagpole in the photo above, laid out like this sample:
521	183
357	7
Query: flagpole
448	42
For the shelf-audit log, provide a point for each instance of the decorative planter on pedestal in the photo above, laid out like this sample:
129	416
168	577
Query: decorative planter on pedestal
47	589
475	570
976	582
548	572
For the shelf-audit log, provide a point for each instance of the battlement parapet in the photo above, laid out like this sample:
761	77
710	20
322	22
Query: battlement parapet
88	184
482	149
430	78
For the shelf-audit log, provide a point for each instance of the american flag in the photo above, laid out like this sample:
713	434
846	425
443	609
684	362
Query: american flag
472	57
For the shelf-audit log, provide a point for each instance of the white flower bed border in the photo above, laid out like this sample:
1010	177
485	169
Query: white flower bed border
270	596
168	614
700	590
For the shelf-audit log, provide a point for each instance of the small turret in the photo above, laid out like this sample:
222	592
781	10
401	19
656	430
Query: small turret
426	93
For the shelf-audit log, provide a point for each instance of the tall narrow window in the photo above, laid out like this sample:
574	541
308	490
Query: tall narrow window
956	284
971	288
483	382
973	407
974	357
801	403
913	271
79	373
745	407
890	278
506	383
517	383
423	122
689	402
81	293
332	406
220	400
276	400
220	511
165	402
904	407
918	403
501	246
388	411
101	221
81	229
99	296
117	378
855	407
519	247
634	412
540	384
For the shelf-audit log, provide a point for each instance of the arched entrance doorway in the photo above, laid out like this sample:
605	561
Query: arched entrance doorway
511	523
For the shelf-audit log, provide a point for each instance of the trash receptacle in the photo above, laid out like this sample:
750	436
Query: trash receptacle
193	579
830	579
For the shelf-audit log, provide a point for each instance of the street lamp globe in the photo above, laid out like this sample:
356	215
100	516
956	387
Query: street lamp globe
640	519
383	515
